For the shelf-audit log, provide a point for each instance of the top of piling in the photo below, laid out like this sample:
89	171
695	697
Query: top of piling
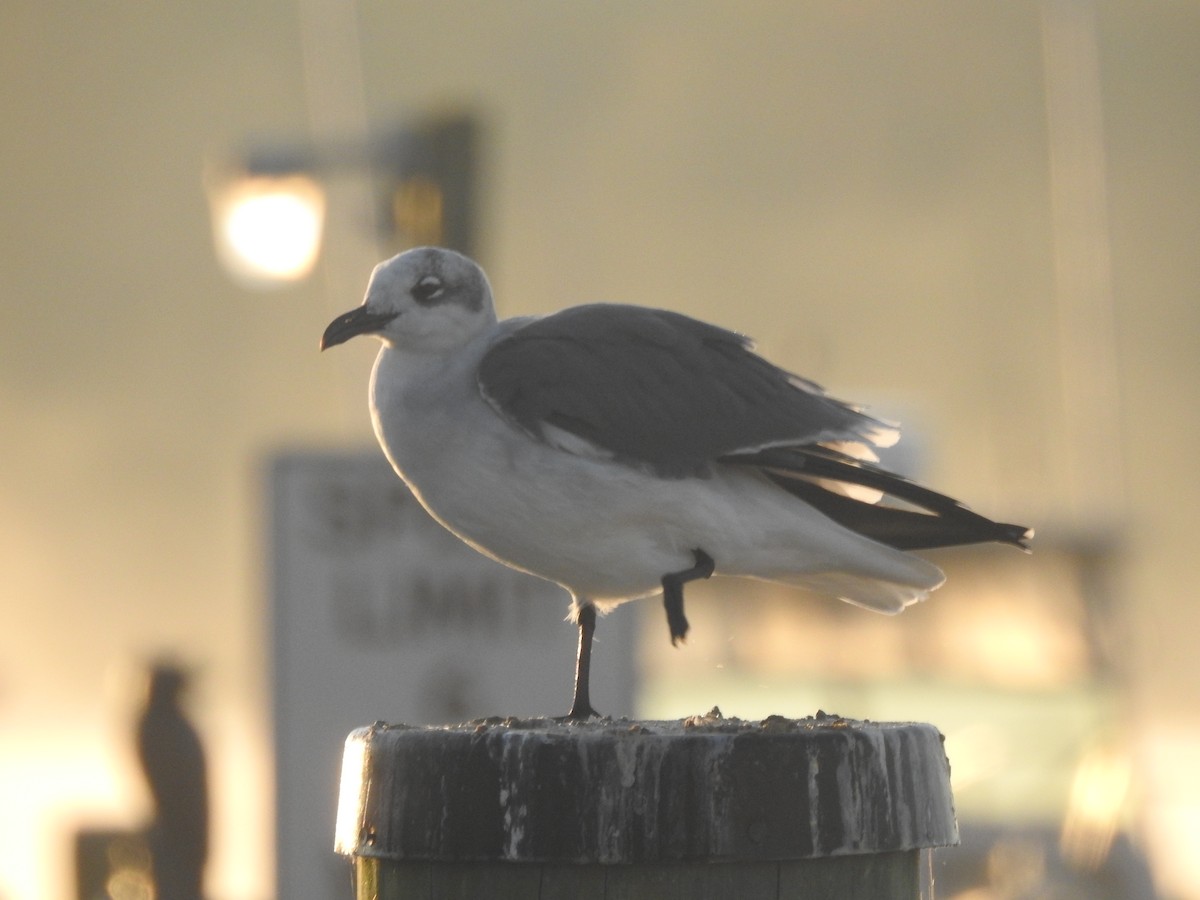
632	791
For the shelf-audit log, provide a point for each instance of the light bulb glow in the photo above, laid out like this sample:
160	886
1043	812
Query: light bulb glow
268	230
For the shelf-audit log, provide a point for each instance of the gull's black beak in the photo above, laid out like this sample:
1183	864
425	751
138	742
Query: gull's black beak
359	320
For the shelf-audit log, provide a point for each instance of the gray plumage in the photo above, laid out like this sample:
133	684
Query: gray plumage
657	388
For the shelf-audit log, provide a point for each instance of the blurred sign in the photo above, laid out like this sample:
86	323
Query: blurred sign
379	613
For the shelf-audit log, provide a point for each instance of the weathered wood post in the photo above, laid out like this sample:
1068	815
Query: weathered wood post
706	807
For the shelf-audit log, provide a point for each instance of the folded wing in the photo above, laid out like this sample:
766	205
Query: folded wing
658	389
678	396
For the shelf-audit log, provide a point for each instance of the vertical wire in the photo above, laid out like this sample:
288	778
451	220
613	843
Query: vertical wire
338	116
1090	453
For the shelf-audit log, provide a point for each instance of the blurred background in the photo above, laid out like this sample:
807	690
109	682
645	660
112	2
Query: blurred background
978	218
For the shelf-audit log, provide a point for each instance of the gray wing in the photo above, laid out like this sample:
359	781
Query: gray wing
658	389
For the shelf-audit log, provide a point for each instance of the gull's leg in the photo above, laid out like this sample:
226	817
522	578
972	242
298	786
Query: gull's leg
673	583
581	708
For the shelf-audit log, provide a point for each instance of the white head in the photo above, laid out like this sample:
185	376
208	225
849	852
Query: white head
425	300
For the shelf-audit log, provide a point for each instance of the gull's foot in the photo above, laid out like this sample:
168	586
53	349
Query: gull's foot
672	585
677	622
579	714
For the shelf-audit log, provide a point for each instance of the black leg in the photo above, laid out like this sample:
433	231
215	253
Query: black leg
581	708
673	583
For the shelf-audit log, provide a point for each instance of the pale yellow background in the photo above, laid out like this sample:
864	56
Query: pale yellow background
865	187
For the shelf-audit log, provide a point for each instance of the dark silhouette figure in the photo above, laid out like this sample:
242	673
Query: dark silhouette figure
173	760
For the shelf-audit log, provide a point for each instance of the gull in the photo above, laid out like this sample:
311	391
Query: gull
622	451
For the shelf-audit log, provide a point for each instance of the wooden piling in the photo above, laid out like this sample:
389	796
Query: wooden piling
706	807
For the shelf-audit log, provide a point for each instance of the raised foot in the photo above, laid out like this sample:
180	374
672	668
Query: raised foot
672	584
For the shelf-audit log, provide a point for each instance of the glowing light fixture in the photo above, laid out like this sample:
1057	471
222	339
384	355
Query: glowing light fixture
268	209
268	229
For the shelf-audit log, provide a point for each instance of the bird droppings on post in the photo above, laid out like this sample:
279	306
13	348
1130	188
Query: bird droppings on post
617	791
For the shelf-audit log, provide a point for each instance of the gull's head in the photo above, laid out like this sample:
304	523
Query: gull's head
428	299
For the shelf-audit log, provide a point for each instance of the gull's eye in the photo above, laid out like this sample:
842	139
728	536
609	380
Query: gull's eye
428	288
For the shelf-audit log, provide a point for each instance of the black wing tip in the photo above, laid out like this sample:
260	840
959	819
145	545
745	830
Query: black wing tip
942	521
1018	536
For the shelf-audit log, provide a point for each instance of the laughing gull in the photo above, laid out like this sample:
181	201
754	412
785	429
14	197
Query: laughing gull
622	451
